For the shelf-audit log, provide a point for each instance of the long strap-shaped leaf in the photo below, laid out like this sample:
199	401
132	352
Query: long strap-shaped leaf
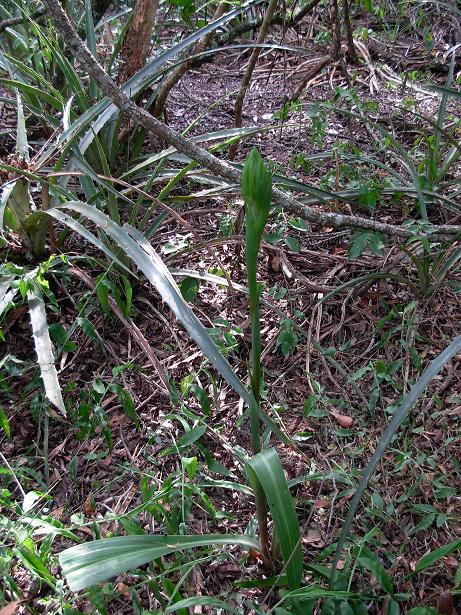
91	563
266	470
143	255
44	349
139	250
410	398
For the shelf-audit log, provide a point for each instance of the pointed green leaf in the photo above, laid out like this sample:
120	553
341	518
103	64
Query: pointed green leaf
89	564
265	468
432	557
404	408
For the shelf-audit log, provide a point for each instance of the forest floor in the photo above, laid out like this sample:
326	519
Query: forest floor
381	334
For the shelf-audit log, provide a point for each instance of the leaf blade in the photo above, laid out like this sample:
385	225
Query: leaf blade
265	468
91	563
44	349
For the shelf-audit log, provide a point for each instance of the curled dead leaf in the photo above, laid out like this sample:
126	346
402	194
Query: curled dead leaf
445	604
12	608
342	419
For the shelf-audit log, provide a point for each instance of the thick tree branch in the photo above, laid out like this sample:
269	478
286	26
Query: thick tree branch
200	155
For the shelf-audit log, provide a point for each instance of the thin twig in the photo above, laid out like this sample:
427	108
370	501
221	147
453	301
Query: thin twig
15	478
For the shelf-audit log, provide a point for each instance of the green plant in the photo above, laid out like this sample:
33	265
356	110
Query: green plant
27	534
401	412
264	469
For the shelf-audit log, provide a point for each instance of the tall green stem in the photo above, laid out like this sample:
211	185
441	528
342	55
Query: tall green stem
256	375
257	191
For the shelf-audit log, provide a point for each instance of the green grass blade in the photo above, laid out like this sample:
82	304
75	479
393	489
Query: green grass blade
265	469
44	349
432	557
410	398
91	563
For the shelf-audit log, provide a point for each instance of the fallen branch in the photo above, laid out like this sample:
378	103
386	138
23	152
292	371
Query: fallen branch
197	153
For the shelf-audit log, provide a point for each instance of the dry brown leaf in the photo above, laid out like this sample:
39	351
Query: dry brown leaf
451	561
123	589
89	505
445	604
314	539
12	608
342	419
321	504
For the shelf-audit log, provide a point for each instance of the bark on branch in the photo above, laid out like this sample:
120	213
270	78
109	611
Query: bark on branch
200	155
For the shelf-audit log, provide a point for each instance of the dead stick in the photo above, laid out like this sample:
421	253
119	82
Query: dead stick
249	72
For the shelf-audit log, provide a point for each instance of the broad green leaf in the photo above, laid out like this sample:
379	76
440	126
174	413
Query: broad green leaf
190	465
189	289
265	468
88	328
44	349
191	436
359	243
34	564
371	562
89	564
425	522
6	192
18	202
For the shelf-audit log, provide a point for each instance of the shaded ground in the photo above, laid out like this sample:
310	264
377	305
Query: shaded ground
375	328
